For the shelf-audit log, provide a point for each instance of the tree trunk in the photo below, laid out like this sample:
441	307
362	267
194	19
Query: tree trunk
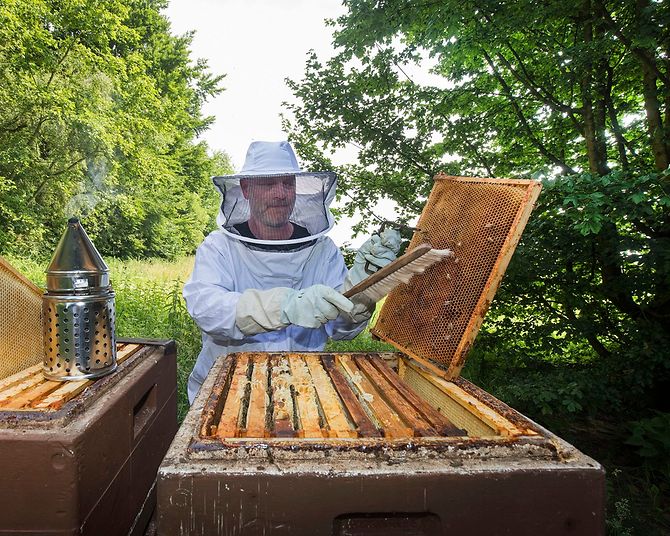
614	284
614	121
654	122
594	119
652	107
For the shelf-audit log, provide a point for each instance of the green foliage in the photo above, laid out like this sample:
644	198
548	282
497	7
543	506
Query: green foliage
617	524
99	108
651	437
588	286
149	305
558	92
575	94
362	343
149	309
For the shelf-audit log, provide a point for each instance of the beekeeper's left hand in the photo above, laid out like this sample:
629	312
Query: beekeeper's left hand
376	252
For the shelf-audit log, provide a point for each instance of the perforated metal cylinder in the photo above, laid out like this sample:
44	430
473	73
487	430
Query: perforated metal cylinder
79	339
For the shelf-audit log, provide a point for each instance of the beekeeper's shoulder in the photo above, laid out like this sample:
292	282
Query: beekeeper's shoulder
217	241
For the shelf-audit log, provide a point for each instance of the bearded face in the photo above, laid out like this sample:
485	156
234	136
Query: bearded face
271	199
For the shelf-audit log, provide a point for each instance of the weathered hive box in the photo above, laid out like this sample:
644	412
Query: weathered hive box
81	457
387	443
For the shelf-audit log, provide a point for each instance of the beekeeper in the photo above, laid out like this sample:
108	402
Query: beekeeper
269	279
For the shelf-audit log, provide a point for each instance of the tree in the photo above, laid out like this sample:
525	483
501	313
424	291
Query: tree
576	93
99	109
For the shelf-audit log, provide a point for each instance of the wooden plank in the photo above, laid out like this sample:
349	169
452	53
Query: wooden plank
30	390
211	413
334	412
258	400
489	180
366	428
282	401
440	422
228	425
307	404
498	423
20	376
126	352
65	392
394	398
392	424
72	388
27	384
32	396
495	277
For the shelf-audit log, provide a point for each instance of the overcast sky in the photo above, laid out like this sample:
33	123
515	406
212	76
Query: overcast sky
256	44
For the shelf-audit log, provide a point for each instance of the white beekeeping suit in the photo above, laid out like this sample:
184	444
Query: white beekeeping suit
269	279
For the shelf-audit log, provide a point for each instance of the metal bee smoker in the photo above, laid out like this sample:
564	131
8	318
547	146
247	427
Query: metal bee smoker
78	311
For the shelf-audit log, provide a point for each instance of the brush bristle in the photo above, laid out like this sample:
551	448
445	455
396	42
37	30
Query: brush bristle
381	288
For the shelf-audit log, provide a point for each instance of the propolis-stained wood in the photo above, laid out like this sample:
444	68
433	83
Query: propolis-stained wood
29	389
315	396
80	457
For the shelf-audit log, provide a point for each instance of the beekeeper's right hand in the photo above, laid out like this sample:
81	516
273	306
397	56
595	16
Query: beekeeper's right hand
259	311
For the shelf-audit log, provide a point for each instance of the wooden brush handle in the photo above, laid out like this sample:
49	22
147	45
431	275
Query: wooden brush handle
387	270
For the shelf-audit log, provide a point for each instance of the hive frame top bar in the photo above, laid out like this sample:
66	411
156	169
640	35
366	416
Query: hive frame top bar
436	317
489	180
30	401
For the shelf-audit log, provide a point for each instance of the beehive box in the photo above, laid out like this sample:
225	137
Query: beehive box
388	443
81	457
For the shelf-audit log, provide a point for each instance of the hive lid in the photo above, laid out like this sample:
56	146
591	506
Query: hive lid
436	316
76	265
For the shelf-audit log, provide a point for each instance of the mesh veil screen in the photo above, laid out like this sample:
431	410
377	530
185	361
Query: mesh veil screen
436	315
21	343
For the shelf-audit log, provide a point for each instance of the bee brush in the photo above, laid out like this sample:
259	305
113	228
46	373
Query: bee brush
399	271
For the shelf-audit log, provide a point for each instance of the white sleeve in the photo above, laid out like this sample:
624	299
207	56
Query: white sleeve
210	298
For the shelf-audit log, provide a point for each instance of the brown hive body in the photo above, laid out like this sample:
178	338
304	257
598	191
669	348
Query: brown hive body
78	457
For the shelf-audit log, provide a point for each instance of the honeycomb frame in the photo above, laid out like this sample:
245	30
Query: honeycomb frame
436	316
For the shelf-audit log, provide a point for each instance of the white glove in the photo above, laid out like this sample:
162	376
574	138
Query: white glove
259	311
314	306
378	250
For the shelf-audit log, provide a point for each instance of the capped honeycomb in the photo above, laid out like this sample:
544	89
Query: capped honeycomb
20	321
436	316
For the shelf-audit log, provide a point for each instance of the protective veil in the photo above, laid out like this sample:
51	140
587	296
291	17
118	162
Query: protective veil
242	281
270	167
